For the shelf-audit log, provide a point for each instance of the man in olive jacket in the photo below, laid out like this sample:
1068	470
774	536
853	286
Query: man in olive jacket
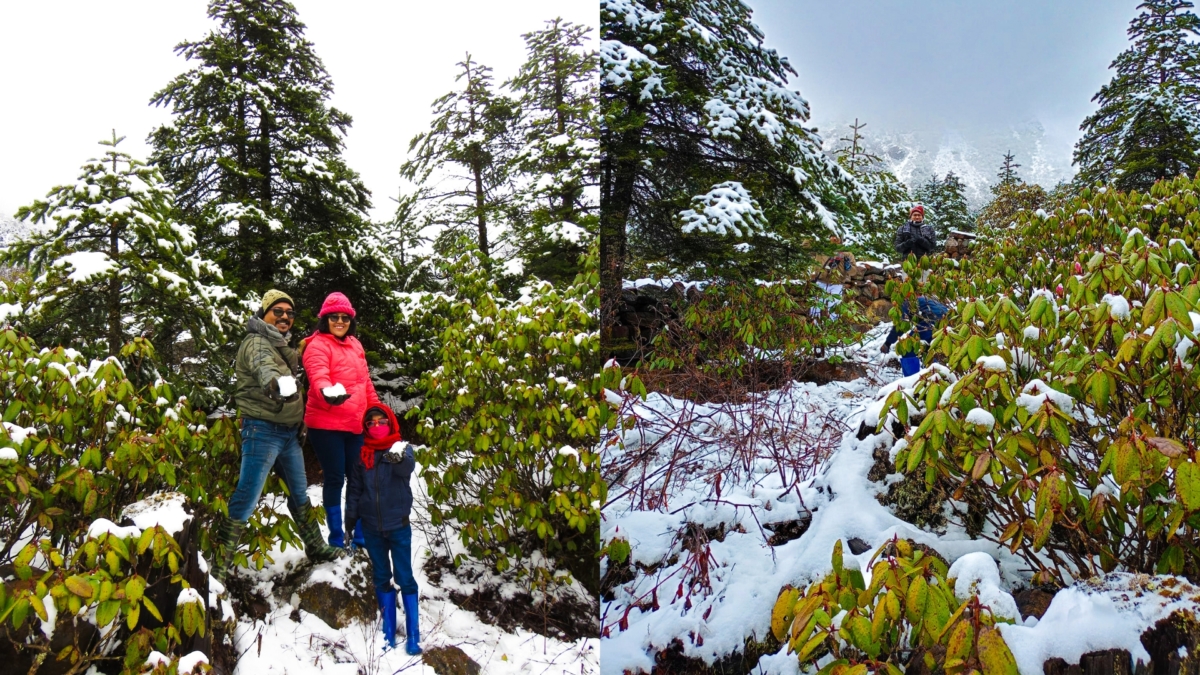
271	406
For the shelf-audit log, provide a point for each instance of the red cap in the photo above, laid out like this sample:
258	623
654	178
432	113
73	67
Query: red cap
336	302
917	209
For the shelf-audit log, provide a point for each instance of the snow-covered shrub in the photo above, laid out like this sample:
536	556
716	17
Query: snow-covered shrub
84	442
909	613
97	581
1073	399
512	418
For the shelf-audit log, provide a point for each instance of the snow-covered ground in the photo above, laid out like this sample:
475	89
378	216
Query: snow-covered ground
704	574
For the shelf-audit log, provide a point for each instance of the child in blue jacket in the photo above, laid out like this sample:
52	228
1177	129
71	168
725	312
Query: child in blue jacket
381	497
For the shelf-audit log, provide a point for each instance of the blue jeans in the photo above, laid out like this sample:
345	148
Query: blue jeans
929	313
338	452
266	444
399	544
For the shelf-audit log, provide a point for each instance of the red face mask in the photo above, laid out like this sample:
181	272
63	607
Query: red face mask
379	431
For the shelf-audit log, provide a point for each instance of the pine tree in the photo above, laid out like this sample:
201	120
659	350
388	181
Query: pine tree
557	90
1150	103
1010	196
697	113
471	146
108	263
1008	172
254	149
945	205
884	204
1161	143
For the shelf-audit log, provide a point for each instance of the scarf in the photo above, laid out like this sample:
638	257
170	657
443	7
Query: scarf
374	445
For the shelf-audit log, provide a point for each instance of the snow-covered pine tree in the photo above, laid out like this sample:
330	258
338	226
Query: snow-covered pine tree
557	90
470	146
254	148
1145	123
697	112
885	206
946	206
108	263
1162	141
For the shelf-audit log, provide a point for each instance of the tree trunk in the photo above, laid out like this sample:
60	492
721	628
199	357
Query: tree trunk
114	285
480	213
266	273
618	173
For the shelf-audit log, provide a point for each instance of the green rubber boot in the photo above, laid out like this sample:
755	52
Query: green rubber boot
228	532
310	533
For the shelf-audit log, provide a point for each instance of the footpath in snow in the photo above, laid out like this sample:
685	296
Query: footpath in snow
716	530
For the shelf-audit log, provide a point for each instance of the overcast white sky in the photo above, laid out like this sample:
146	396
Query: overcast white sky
949	64
73	70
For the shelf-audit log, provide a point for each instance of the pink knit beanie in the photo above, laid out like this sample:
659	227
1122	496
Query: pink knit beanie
334	303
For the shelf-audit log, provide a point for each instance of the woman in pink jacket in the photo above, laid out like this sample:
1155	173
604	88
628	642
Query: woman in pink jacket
340	391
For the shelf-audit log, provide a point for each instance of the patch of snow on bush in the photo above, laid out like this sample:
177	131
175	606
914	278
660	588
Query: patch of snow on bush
165	509
1032	333
1118	306
189	595
188	662
1036	393
981	417
8	455
102	525
976	574
993	363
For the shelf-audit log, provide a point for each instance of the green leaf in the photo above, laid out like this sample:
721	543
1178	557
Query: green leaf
994	654
79	586
917	600
1187	485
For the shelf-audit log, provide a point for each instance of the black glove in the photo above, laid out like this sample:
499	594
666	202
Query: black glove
335	400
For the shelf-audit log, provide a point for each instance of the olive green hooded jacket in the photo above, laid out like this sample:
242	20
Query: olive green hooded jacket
264	356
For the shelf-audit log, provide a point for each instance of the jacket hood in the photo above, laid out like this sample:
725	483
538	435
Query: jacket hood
257	326
385	443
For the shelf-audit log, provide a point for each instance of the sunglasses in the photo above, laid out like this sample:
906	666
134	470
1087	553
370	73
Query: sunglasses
339	318
279	313
381	422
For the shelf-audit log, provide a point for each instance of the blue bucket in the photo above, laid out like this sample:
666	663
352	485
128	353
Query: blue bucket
910	364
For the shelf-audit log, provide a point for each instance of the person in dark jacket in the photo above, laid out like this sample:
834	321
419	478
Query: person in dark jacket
381	499
914	238
271	408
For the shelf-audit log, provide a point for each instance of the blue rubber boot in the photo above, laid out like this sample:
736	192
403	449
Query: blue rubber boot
358	535
387	608
333	518
412	628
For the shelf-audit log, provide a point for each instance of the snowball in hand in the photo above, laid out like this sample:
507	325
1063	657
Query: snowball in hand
335	390
287	386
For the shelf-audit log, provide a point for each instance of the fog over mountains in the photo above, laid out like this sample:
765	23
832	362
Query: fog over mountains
974	155
10	229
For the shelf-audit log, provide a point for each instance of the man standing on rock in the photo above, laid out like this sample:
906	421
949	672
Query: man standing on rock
271	408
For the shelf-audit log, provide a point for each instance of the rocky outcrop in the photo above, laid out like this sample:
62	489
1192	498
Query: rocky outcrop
450	661
958	244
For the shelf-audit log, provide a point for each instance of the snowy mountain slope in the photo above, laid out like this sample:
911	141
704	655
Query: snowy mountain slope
973	154
10	229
